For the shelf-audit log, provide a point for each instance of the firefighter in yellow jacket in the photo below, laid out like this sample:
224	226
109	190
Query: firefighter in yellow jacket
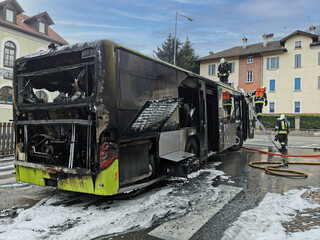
283	129
223	70
260	98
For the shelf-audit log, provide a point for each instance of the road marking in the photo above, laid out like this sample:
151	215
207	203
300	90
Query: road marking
7	173
185	227
6	181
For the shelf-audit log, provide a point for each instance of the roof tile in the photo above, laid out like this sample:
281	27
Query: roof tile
21	26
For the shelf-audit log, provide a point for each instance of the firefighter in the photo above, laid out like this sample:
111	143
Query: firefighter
260	98
227	103
223	71
283	129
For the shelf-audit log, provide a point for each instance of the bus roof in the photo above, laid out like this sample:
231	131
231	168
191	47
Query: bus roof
91	44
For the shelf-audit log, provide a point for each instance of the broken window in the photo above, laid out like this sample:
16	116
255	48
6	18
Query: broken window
64	85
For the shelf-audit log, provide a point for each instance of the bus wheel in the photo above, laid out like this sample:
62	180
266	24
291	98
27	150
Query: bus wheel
192	146
239	142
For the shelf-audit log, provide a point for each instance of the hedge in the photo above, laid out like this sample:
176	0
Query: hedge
306	121
309	122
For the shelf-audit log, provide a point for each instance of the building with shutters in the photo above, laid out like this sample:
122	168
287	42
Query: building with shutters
289	68
20	35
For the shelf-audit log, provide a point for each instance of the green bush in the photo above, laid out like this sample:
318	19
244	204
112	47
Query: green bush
309	121
306	121
269	121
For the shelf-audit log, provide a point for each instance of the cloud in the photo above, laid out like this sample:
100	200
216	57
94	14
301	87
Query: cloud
139	16
197	1
85	24
110	35
275	8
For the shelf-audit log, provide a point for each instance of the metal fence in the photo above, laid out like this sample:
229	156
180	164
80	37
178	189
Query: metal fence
6	139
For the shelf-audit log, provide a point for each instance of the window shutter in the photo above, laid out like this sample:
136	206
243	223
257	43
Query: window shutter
268	63
299	60
272	85
277	62
318	58
319	82
213	69
209	70
297	84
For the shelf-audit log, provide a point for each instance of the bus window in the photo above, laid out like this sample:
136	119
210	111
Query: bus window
142	80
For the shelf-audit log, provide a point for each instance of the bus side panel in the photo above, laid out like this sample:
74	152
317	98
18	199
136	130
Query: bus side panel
134	161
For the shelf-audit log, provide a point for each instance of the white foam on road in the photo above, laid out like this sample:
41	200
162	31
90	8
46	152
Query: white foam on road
52	220
185	227
266	220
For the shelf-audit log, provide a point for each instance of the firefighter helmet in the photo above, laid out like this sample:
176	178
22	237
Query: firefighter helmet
222	60
282	116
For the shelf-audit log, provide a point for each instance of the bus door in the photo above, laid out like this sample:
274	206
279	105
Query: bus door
247	120
227	118
203	131
212	118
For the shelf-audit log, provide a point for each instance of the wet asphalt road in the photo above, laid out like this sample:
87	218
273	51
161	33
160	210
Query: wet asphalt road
255	182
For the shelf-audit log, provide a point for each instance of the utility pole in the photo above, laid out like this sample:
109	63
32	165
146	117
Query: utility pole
175	36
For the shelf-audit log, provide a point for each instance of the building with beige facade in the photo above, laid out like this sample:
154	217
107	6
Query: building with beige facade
20	35
289	68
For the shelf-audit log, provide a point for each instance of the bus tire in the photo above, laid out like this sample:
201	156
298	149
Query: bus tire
192	146
239	142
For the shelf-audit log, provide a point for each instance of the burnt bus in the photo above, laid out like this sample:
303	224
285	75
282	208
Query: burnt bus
100	118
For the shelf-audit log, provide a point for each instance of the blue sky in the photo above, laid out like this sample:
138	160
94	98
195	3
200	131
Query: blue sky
143	25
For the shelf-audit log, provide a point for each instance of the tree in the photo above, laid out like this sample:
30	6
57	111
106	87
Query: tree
185	55
166	52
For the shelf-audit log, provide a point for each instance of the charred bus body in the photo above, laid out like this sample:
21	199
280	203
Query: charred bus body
114	119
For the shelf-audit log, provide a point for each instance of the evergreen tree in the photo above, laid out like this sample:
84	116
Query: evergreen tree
185	55
165	53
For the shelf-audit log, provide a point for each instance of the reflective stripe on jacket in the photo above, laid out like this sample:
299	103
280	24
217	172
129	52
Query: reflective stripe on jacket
223	70
282	126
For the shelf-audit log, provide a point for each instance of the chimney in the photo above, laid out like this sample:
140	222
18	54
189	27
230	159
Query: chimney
244	42
267	38
210	53
265	41
312	28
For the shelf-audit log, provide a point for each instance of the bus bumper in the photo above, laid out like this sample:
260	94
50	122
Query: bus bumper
105	182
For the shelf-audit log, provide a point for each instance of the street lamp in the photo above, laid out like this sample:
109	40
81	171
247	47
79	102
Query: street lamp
175	36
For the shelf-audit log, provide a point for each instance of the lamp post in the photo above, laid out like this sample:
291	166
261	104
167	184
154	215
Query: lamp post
175	36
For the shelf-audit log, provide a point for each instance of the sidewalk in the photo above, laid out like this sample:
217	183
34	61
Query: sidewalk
293	141
307	219
293	132
6	157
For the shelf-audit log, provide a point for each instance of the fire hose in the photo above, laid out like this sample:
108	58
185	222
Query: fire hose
274	168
